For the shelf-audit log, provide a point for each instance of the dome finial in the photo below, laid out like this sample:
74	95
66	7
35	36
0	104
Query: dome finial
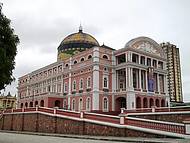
80	28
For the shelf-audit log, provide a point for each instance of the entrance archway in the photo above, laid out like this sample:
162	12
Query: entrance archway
138	102
57	103
120	102
36	103
145	103
151	102
163	103
157	103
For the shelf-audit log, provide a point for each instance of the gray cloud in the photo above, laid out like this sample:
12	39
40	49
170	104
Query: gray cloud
42	25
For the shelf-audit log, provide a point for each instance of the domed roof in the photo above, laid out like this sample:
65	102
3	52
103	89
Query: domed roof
75	43
80	37
78	40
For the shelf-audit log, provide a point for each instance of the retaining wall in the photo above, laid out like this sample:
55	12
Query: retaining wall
37	122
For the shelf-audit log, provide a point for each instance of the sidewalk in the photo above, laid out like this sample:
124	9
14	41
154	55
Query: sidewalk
106	138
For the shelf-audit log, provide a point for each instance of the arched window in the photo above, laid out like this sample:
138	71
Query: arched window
80	104
21	105
105	104
105	57
73	104
105	82
82	59
145	103
151	103
74	85
36	103
31	104
88	104
157	103
90	56
88	82
26	104
42	103
105	69
162	103
65	104
81	83
75	62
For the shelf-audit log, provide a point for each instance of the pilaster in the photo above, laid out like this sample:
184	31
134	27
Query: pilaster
95	101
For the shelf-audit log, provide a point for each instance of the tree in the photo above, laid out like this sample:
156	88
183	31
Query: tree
8	50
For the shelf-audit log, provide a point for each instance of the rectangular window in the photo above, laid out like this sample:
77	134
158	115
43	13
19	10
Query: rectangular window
148	62
59	88
54	88
65	87
160	65
154	63
143	80
135	58
142	60
105	83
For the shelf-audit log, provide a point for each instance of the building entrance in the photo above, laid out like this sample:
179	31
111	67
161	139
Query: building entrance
120	103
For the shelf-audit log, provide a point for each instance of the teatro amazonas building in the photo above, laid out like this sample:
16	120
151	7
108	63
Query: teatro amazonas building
88	76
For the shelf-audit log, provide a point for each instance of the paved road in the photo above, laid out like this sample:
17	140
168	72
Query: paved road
23	138
29	137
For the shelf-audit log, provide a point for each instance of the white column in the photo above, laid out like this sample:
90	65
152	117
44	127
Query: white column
131	70
140	79
128	57
116	80
56	89
164	84
145	58
27	91
95	101
146	79
70	84
158	82
127	77
62	85
114	74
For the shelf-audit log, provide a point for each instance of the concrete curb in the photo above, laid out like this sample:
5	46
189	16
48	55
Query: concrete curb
103	138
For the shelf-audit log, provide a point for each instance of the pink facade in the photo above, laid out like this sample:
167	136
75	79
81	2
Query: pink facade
100	78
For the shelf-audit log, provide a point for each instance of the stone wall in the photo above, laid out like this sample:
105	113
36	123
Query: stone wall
18	122
36	122
176	118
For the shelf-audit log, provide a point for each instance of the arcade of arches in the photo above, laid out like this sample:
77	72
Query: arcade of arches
148	102
141	102
56	103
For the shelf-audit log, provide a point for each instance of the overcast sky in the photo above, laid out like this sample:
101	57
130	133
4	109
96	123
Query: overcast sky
42	24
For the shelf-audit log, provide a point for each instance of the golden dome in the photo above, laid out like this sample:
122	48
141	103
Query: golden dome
76	42
80	37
